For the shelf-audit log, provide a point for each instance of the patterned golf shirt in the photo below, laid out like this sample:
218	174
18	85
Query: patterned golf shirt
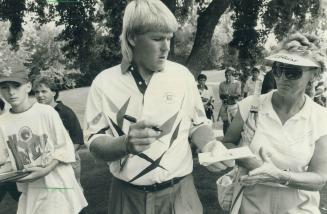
171	99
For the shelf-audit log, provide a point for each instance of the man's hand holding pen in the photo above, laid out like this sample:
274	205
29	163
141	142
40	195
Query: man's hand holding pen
141	135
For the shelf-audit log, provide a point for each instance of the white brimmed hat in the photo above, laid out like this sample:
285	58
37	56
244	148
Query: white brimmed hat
293	59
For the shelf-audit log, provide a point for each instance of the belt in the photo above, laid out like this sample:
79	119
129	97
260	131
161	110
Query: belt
154	187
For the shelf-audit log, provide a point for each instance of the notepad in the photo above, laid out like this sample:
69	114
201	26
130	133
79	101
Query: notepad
207	158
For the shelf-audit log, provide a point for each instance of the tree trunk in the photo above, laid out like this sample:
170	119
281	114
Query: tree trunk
206	24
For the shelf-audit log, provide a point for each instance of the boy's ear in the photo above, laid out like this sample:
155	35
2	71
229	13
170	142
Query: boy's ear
131	40
28	87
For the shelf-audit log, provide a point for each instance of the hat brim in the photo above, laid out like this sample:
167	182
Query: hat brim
292	59
13	79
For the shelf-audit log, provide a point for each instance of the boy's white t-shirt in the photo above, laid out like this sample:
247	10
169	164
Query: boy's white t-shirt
40	130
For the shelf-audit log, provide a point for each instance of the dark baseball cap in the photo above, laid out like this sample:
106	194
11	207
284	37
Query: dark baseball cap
15	73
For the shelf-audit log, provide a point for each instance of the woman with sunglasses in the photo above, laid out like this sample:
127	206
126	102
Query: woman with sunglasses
290	141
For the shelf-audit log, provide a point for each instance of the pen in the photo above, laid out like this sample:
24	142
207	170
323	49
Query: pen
130	118
133	120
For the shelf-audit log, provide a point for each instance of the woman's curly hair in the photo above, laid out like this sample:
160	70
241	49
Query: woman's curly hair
306	45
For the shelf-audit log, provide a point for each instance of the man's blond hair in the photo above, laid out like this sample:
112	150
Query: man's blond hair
142	16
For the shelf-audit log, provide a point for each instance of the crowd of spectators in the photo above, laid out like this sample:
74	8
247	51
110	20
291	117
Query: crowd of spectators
239	84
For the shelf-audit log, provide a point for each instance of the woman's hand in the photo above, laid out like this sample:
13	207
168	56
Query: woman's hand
267	172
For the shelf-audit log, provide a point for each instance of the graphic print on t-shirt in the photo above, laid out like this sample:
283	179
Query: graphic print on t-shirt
29	149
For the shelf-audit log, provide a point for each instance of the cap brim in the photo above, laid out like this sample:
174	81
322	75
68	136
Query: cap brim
12	79
292	59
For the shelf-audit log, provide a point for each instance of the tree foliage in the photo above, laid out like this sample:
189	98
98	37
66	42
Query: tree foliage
39	52
208	18
246	37
48	58
89	38
77	18
9	56
13	11
283	16
277	16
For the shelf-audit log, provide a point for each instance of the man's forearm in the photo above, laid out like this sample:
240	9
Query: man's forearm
202	135
109	148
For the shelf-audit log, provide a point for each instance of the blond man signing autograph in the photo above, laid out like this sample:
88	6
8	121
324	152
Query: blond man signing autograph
139	117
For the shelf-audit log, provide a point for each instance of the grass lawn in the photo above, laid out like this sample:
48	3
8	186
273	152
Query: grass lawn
96	177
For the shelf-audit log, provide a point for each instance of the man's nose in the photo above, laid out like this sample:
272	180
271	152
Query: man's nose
165	45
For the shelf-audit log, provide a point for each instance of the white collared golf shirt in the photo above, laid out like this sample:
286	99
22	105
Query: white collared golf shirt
171	99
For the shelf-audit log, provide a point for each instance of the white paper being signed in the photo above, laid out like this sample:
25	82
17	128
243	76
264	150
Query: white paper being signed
207	158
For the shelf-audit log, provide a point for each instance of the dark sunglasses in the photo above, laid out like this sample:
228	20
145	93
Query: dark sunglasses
290	72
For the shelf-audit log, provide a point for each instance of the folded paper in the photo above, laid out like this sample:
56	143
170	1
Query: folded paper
208	158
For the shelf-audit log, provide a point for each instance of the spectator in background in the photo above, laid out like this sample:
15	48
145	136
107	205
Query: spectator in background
237	74
46	92
206	96
250	83
229	93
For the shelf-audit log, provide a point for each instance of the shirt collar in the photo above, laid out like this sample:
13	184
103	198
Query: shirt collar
266	105
267	108
306	109
129	67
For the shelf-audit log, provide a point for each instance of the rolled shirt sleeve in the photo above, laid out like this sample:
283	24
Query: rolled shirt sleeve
95	123
63	145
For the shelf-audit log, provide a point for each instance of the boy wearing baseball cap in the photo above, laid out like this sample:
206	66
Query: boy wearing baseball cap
43	146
